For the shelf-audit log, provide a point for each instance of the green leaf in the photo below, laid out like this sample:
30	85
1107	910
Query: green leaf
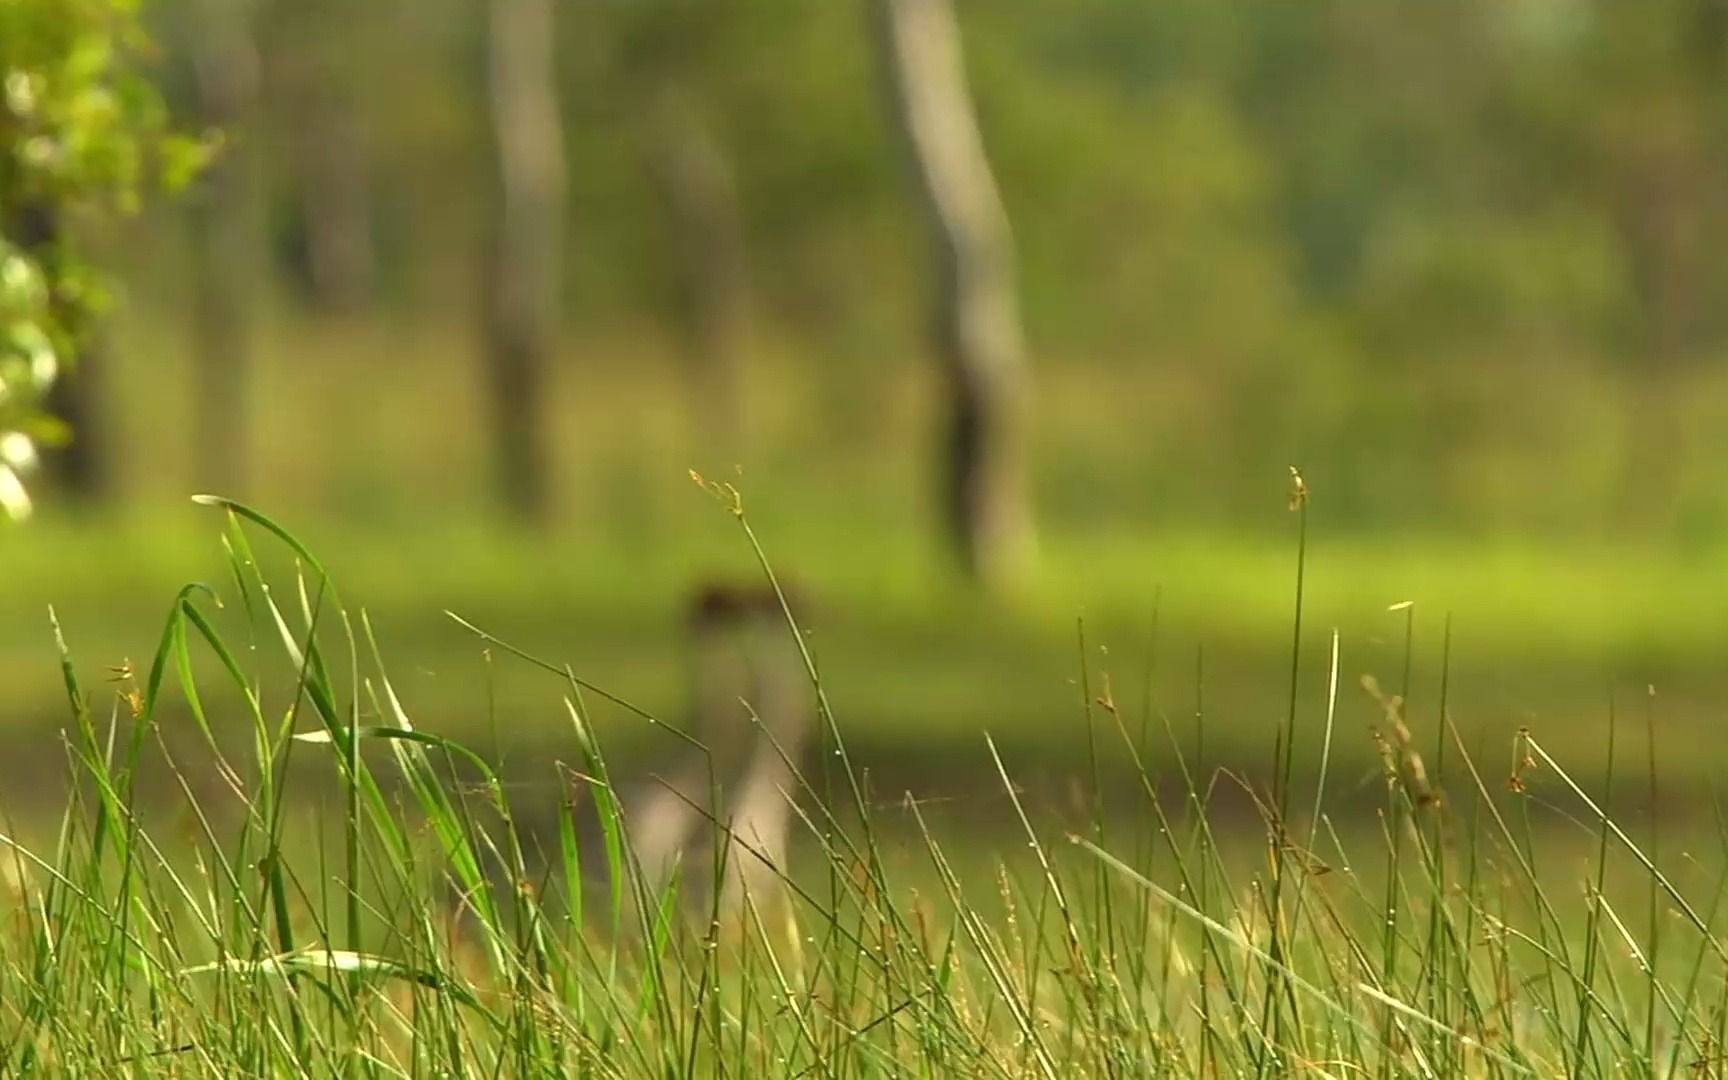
313	961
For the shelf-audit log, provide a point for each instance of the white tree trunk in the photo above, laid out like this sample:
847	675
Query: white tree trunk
696	174
318	64
226	70
977	310
525	278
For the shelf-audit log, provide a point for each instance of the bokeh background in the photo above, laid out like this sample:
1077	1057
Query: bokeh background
1459	261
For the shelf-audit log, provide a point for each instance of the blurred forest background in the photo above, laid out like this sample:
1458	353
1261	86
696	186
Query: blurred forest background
468	287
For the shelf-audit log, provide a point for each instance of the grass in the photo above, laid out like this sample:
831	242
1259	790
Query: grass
339	889
1538	630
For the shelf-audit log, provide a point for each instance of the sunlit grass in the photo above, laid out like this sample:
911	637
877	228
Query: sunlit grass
340	887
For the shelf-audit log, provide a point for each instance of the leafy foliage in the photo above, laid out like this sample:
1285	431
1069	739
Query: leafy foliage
82	133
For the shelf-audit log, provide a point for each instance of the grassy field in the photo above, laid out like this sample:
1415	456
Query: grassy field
1540	636
1109	825
364	437
382	908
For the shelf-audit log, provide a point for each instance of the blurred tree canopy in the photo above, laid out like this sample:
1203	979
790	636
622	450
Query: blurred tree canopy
82	132
1429	250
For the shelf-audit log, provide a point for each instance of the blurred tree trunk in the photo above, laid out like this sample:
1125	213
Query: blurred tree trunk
225	67
320	61
752	710
700	186
336	202
1667	200
524	279
78	467
977	311
1659	222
